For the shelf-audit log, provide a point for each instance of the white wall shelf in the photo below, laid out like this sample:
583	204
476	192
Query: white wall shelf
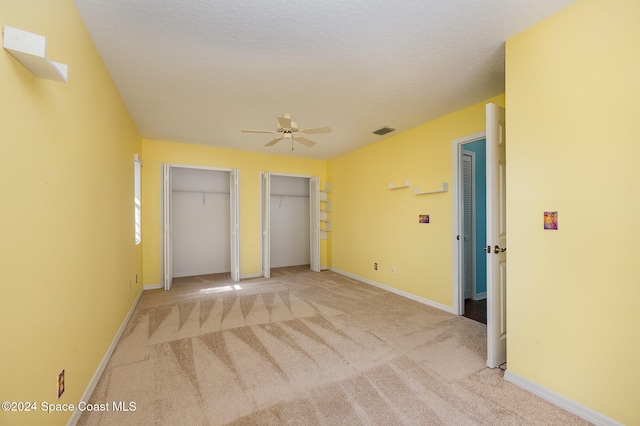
406	184
29	50
445	188
325	209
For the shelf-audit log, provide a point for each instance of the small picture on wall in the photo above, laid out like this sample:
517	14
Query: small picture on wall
550	220
423	218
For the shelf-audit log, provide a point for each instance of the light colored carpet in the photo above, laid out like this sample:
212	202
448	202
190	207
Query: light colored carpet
305	348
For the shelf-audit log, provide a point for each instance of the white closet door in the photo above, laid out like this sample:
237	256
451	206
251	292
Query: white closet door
235	223
266	225
167	271
314	225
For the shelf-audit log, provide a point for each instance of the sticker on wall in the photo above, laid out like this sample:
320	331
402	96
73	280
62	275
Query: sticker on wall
60	383
551	220
423	218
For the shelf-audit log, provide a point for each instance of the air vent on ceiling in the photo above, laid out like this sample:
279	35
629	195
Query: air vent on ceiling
384	131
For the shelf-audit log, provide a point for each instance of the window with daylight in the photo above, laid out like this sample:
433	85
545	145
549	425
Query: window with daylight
137	164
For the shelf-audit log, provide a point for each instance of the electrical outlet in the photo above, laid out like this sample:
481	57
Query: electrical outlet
393	270
136	278
375	266
60	383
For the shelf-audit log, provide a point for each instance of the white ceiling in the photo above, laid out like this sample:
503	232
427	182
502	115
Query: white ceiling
199	71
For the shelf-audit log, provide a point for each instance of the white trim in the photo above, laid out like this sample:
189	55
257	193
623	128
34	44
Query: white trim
559	400
481	296
396	291
105	360
456	146
152	287
249	276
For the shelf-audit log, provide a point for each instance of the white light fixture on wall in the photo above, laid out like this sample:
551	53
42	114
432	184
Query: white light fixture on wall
29	50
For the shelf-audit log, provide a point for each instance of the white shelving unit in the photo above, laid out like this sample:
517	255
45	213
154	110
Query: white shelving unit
325	208
30	50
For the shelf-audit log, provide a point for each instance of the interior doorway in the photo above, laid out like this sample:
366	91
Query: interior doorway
469	209
290	222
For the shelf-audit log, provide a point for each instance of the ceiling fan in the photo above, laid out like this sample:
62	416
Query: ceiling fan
287	129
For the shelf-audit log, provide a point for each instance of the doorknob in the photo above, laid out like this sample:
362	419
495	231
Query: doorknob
497	249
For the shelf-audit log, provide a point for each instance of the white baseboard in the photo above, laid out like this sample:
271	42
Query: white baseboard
561	401
396	291
153	287
249	276
480	296
103	364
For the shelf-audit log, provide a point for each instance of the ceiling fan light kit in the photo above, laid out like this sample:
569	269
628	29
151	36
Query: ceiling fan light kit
287	129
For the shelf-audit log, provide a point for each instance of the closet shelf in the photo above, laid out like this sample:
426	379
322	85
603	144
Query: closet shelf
445	188
405	185
200	192
289	195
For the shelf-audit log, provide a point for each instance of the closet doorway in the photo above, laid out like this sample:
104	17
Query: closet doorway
200	222
290	222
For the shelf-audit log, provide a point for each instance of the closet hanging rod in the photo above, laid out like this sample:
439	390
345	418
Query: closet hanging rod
286	195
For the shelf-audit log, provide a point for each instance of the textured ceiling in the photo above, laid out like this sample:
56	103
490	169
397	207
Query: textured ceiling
199	71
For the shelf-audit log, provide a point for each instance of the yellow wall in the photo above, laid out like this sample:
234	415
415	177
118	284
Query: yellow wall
66	217
154	153
573	85
374	224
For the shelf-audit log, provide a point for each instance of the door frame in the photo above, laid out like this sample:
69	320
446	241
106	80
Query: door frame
456	149
166	255
265	221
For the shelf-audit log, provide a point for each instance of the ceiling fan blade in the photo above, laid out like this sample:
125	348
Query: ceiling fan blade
316	130
304	141
258	131
273	142
284	122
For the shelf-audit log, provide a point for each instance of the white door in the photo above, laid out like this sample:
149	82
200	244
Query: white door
314	226
266	225
234	223
167	259
496	237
